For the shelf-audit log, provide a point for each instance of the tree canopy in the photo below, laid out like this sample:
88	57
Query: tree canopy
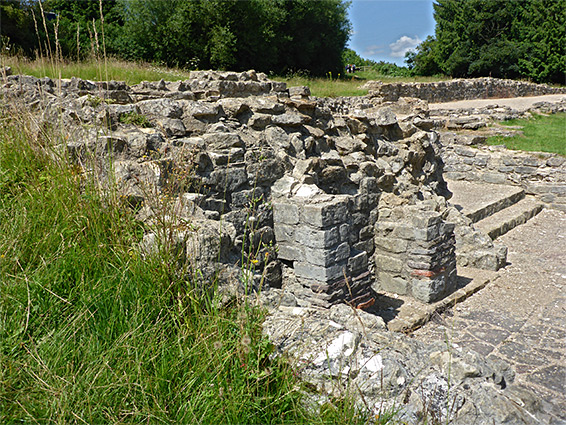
276	36
499	38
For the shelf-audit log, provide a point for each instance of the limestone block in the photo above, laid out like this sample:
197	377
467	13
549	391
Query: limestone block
358	262
388	263
427	233
288	251
391	283
285	214
316	238
325	214
391	244
222	140
325	257
429	290
496	178
284	233
366	246
307	270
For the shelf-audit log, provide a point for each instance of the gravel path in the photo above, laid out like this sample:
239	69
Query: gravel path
520	316
518	103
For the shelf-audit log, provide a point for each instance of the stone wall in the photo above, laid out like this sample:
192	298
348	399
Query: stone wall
260	180
460	89
541	174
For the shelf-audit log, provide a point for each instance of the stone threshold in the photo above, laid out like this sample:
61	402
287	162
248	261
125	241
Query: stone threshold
406	314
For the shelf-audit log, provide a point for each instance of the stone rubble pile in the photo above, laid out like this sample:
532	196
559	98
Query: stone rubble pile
315	203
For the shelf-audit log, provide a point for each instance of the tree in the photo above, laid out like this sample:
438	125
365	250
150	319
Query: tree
16	26
423	61
267	35
79	20
499	38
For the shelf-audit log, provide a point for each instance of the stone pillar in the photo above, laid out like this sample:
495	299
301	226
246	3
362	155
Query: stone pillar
312	230
414	254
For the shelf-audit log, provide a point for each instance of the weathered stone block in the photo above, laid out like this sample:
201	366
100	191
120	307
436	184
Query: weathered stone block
424	219
496	178
391	244
366	246
325	257
316	238
326	214
284	233
427	233
289	252
391	283
322	274
285	213
428	290
525	170
388	263
358	262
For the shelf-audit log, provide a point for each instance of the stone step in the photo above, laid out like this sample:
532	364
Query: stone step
480	200
501	222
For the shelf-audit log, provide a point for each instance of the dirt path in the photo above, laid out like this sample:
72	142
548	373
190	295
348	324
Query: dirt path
520	317
518	103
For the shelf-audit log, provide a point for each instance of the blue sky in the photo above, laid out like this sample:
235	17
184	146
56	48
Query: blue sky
383	30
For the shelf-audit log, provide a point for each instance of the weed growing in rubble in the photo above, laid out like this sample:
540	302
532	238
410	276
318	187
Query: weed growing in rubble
135	119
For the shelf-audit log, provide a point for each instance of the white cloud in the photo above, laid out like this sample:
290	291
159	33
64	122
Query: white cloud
374	50
403	45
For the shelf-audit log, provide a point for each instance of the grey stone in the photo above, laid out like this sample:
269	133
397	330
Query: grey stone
388	263
428	290
307	270
316	238
325	214
285	213
391	283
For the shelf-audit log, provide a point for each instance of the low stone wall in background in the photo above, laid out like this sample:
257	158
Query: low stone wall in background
540	174
460	89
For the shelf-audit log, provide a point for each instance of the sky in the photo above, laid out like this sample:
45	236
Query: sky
383	30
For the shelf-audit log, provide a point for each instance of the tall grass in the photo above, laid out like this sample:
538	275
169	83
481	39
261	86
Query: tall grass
92	332
114	69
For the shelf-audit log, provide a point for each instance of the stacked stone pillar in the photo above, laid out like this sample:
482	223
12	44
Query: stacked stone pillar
313	230
414	254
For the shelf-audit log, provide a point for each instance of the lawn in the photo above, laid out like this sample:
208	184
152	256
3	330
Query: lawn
541	133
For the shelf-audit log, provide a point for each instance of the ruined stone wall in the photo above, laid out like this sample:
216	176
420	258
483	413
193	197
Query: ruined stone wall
541	174
253	179
460	89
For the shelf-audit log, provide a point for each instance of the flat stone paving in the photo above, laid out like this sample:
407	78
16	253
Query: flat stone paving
469	197
520	314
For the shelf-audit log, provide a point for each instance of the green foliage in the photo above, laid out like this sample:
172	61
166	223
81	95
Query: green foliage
277	36
135	119
540	134
498	38
384	69
16	27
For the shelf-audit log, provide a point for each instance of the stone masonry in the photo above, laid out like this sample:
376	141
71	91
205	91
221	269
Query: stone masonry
347	193
460	89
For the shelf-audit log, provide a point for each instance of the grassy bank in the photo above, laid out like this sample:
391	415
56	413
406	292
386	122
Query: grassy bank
348	84
113	69
133	73
91	332
541	133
